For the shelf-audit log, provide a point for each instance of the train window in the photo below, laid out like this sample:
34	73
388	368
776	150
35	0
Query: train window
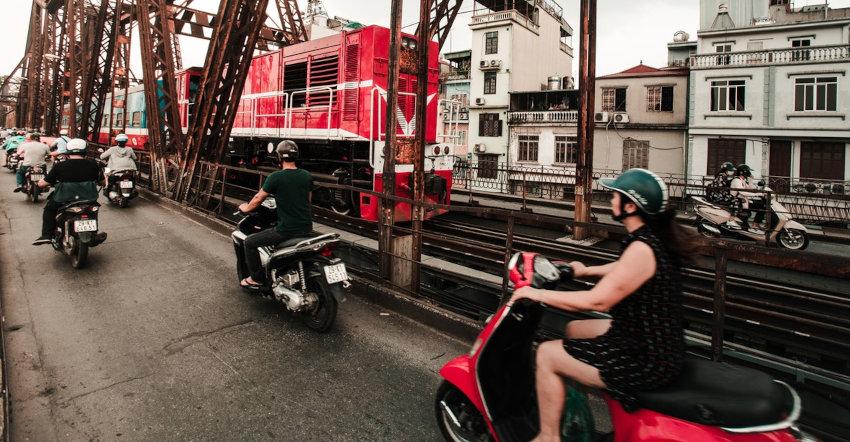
137	119
105	121
119	119
295	79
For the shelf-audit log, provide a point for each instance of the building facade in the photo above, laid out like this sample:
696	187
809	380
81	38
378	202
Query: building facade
454	112
769	87
516	46
641	120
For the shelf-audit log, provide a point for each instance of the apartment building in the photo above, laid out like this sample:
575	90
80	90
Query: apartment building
516	46
641	120
454	92
769	87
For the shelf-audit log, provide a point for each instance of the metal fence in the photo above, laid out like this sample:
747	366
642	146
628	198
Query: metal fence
810	200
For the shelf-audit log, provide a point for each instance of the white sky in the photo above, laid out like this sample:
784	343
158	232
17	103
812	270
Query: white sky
628	30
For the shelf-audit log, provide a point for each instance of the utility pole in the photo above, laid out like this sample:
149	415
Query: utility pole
387	215
587	90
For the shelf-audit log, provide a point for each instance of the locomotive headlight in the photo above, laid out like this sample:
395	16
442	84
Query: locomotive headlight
412	45
405	43
437	150
446	150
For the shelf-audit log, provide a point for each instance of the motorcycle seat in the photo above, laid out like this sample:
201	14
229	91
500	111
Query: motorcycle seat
722	395
292	242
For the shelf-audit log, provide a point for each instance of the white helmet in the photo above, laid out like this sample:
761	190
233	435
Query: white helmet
63	132
77	146
121	137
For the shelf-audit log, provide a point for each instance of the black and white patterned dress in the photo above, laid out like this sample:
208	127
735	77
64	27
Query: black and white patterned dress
644	349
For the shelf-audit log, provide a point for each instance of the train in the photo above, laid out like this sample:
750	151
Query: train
330	96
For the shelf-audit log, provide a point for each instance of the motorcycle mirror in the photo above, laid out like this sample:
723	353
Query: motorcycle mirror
270	148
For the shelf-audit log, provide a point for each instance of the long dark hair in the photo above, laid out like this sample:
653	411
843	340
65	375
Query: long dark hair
676	239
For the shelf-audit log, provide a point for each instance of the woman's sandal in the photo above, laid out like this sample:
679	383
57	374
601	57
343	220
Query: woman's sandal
247	285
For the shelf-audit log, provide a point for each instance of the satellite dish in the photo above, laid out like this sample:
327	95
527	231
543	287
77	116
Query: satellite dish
681	36
270	147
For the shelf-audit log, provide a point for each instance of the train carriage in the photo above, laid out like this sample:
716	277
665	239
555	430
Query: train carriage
330	95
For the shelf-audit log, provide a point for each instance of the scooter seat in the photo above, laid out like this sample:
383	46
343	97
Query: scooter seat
79	203
293	241
722	395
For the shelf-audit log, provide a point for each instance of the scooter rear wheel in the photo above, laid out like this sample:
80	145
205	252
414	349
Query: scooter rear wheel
79	255
322	318
457	417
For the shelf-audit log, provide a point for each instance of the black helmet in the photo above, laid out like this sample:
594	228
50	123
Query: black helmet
726	168
287	151
744	171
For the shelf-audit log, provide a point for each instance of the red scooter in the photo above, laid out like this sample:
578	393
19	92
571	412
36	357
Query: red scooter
489	394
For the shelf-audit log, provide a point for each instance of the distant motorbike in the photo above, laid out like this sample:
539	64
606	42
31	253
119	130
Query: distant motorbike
76	231
121	187
302	273
489	394
717	221
32	176
13	161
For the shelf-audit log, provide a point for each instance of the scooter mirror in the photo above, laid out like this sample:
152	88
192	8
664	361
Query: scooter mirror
270	147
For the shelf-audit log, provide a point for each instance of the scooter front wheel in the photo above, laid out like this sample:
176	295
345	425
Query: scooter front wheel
457	417
793	239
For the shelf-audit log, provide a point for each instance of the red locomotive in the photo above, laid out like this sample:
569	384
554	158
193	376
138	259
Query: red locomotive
330	95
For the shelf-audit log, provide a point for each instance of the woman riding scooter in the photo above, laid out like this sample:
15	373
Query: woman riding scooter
642	347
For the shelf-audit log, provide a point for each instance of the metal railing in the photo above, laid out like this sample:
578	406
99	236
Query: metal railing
542	117
805	55
512	15
811	201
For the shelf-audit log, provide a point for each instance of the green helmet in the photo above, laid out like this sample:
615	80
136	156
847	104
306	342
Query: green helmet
642	187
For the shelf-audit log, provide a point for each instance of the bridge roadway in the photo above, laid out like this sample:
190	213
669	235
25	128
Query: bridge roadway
153	340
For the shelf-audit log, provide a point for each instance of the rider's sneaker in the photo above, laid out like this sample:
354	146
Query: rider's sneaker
18	189
99	238
41	240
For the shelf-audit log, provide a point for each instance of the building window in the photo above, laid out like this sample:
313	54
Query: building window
614	99
799	53
659	98
461	137
635	154
566	149
488	166
528	147
137	119
723	48
489	83
491	43
816	94
489	125
728	95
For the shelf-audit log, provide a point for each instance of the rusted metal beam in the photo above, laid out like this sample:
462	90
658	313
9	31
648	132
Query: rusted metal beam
587	86
441	19
164	129
225	71
120	80
387	216
201	24
291	21
99	47
35	52
75	57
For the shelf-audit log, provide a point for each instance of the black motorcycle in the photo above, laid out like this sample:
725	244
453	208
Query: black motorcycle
32	176
121	187
13	161
76	231
302	273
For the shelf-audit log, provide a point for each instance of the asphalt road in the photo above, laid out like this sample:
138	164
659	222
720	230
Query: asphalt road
153	340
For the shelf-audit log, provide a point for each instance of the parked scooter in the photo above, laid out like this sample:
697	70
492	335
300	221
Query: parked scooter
32	176
714	221
121	187
76	231
489	394
302	273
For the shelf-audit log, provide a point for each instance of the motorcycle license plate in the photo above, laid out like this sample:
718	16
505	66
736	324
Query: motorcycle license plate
35	177
336	273
126	184
85	225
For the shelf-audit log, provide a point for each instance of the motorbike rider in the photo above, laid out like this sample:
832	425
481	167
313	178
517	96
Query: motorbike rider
718	191
642	347
746	202
75	180
33	153
291	189
119	157
60	145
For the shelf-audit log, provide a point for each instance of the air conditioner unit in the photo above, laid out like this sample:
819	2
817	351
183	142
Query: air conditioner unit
601	117
484	63
480	101
495	63
480	148
464	109
621	118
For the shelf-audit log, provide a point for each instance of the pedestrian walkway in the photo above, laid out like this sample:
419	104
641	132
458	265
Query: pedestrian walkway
153	340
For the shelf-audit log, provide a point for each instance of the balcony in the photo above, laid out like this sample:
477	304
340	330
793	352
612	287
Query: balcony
504	16
566	49
808	55
543	117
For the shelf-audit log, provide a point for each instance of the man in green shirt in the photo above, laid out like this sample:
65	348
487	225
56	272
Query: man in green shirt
291	189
